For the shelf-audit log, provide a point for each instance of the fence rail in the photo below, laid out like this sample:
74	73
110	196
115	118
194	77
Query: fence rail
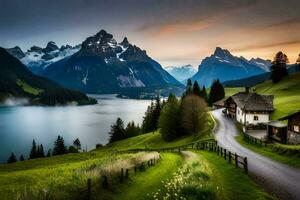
253	140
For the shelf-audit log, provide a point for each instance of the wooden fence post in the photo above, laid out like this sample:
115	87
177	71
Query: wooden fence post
246	165
221	152
225	154
89	188
229	157
105	182
218	150
121	175
236	159
127	173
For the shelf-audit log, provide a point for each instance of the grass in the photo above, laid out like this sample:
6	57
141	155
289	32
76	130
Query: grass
205	175
151	180
271	151
29	89
231	91
224	178
61	177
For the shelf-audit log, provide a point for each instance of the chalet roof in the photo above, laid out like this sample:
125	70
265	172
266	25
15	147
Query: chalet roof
219	103
253	101
290	116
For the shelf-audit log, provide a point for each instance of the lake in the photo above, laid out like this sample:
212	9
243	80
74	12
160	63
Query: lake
91	124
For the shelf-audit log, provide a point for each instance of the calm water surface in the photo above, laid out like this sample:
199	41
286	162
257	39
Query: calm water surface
19	125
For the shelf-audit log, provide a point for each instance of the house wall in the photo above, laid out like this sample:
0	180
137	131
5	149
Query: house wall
262	118
240	115
294	124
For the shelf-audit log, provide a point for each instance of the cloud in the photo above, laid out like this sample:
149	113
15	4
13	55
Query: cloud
268	45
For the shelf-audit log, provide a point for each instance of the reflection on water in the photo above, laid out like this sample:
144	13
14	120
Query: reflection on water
19	125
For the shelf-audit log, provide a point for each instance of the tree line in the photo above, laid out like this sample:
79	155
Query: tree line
37	151
173	117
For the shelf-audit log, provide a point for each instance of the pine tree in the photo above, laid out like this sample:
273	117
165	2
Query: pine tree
117	131
217	92
12	158
150	120
33	151
59	146
132	130
279	69
49	153
203	93
38	153
196	89
298	63
41	151
169	119
22	158
77	143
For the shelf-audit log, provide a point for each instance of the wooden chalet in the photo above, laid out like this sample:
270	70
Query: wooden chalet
249	108
277	131
293	127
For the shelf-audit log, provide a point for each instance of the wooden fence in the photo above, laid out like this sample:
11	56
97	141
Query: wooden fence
209	145
254	140
108	181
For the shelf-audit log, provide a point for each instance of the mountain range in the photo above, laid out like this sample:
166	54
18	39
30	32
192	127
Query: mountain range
99	65
17	82
224	66
181	73
38	58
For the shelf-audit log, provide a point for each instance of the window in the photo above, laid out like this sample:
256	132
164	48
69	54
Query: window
296	129
255	118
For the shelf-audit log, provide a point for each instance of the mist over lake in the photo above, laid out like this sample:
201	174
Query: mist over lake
91	124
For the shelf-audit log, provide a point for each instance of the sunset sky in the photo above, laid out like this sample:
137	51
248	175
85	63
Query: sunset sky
172	32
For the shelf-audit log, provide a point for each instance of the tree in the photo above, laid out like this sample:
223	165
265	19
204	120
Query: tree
59	146
298	63
203	93
169	119
72	149
279	69
49	153
196	89
41	152
217	92
77	143
194	114
22	158
150	120
132	130
12	158
33	151
117	131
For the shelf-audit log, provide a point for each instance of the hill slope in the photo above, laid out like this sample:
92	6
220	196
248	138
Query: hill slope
286	92
17	81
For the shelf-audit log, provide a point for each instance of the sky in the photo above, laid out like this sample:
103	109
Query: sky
173	32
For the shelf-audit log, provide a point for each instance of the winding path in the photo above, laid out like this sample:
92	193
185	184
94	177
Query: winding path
276	178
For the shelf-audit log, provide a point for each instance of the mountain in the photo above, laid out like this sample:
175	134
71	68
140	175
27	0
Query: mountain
102	65
224	66
37	58
254	80
16	81
181	73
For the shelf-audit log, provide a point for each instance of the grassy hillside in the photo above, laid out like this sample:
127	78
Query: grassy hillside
286	92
